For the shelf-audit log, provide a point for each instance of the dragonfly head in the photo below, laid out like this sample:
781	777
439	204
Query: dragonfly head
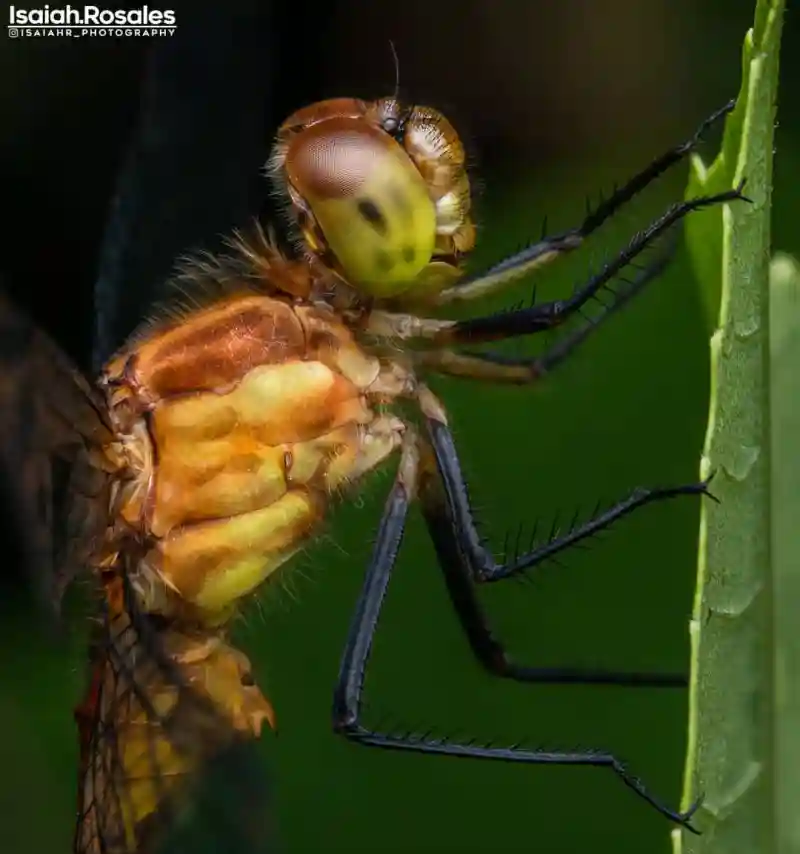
379	192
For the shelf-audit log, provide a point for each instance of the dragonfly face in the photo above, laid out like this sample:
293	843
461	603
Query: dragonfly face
379	192
229	426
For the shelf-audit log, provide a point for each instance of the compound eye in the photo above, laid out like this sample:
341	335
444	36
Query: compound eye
369	200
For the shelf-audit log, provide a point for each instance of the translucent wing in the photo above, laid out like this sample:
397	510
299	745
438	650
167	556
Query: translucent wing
51	422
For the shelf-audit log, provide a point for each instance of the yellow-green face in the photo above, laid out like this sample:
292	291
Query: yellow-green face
369	201
390	211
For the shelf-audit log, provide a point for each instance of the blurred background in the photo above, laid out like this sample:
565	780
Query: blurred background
115	159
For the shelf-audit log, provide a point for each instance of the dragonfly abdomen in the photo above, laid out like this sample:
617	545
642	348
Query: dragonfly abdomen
164	700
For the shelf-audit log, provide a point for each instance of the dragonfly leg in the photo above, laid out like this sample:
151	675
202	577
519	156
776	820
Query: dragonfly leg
549	315
465	561
548	248
349	687
499	368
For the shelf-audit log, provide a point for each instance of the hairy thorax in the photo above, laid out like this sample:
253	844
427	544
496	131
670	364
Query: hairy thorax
239	422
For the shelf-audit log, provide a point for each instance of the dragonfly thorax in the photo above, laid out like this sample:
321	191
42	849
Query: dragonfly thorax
244	420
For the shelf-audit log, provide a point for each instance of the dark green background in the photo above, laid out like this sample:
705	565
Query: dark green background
559	104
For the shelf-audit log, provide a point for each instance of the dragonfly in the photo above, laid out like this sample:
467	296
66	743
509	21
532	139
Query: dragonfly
212	444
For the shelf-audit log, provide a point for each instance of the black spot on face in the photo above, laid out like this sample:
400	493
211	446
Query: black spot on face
408	254
384	261
370	212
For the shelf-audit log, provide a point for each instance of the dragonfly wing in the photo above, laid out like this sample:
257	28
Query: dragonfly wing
51	422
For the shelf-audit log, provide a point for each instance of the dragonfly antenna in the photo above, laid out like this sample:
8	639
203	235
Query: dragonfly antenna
396	70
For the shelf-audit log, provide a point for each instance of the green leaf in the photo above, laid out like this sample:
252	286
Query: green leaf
784	334
704	229
731	758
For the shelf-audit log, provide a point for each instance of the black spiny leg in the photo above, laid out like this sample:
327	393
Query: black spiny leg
350	683
465	561
548	315
494	367
348	691
548	248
